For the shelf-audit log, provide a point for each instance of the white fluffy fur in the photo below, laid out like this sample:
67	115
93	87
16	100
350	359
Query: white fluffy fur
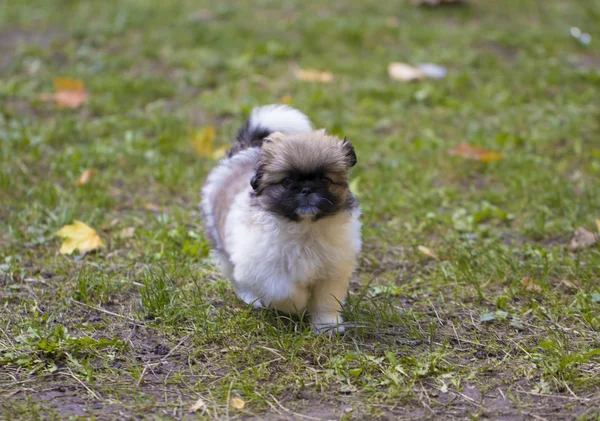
280	118
291	266
274	262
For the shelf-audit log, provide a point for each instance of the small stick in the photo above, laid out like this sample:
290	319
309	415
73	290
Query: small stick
83	384
101	310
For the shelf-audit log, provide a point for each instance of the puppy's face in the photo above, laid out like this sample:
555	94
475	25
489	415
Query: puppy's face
304	175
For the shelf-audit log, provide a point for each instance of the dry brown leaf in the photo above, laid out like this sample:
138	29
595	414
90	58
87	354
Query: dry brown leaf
79	236
199	405
530	285
428	252
70	93
404	72
237	403
583	238
86	176
570	284
475	152
127	233
310	75
202	141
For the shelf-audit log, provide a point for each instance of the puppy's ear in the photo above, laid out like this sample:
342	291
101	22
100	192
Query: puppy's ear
255	180
349	151
275	137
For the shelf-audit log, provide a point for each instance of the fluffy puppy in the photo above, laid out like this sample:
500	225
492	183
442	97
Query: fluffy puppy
282	221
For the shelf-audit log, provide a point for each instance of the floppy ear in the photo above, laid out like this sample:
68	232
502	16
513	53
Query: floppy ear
275	137
255	180
349	151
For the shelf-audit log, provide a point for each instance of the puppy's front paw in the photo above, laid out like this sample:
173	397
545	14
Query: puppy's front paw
327	323
249	298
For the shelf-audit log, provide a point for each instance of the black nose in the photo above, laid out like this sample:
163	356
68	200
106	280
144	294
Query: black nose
306	191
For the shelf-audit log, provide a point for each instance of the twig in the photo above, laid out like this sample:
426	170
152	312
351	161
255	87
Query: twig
175	347
456	334
101	310
82	383
571	398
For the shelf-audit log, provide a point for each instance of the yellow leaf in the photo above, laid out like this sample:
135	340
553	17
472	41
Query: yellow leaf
428	252
530	285
202	141
80	237
220	152
404	72
237	403
286	99
598	224
199	405
310	75
86	176
70	93
475	152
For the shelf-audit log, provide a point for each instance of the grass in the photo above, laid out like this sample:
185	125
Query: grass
145	327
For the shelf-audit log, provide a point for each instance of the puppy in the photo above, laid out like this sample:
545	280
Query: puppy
282	221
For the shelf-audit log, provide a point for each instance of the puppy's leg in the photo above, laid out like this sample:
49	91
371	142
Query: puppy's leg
247	296
325	304
295	303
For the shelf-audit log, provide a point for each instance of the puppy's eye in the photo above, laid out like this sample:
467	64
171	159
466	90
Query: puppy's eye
326	181
287	183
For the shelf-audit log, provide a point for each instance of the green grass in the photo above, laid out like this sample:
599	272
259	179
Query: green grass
146	326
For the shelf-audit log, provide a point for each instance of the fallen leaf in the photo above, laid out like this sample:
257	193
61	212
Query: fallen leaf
199	405
78	236
220	152
475	152
286	99
404	72
127	233
202	141
487	317
530	285
86	176
433	71
583	238
598	224
237	403
70	93
569	284
310	75
428	252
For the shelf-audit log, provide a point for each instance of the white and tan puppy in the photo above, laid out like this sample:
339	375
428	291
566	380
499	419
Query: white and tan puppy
282	220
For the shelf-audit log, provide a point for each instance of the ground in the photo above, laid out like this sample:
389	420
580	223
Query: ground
504	321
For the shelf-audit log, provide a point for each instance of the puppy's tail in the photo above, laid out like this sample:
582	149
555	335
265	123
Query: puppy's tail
266	120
